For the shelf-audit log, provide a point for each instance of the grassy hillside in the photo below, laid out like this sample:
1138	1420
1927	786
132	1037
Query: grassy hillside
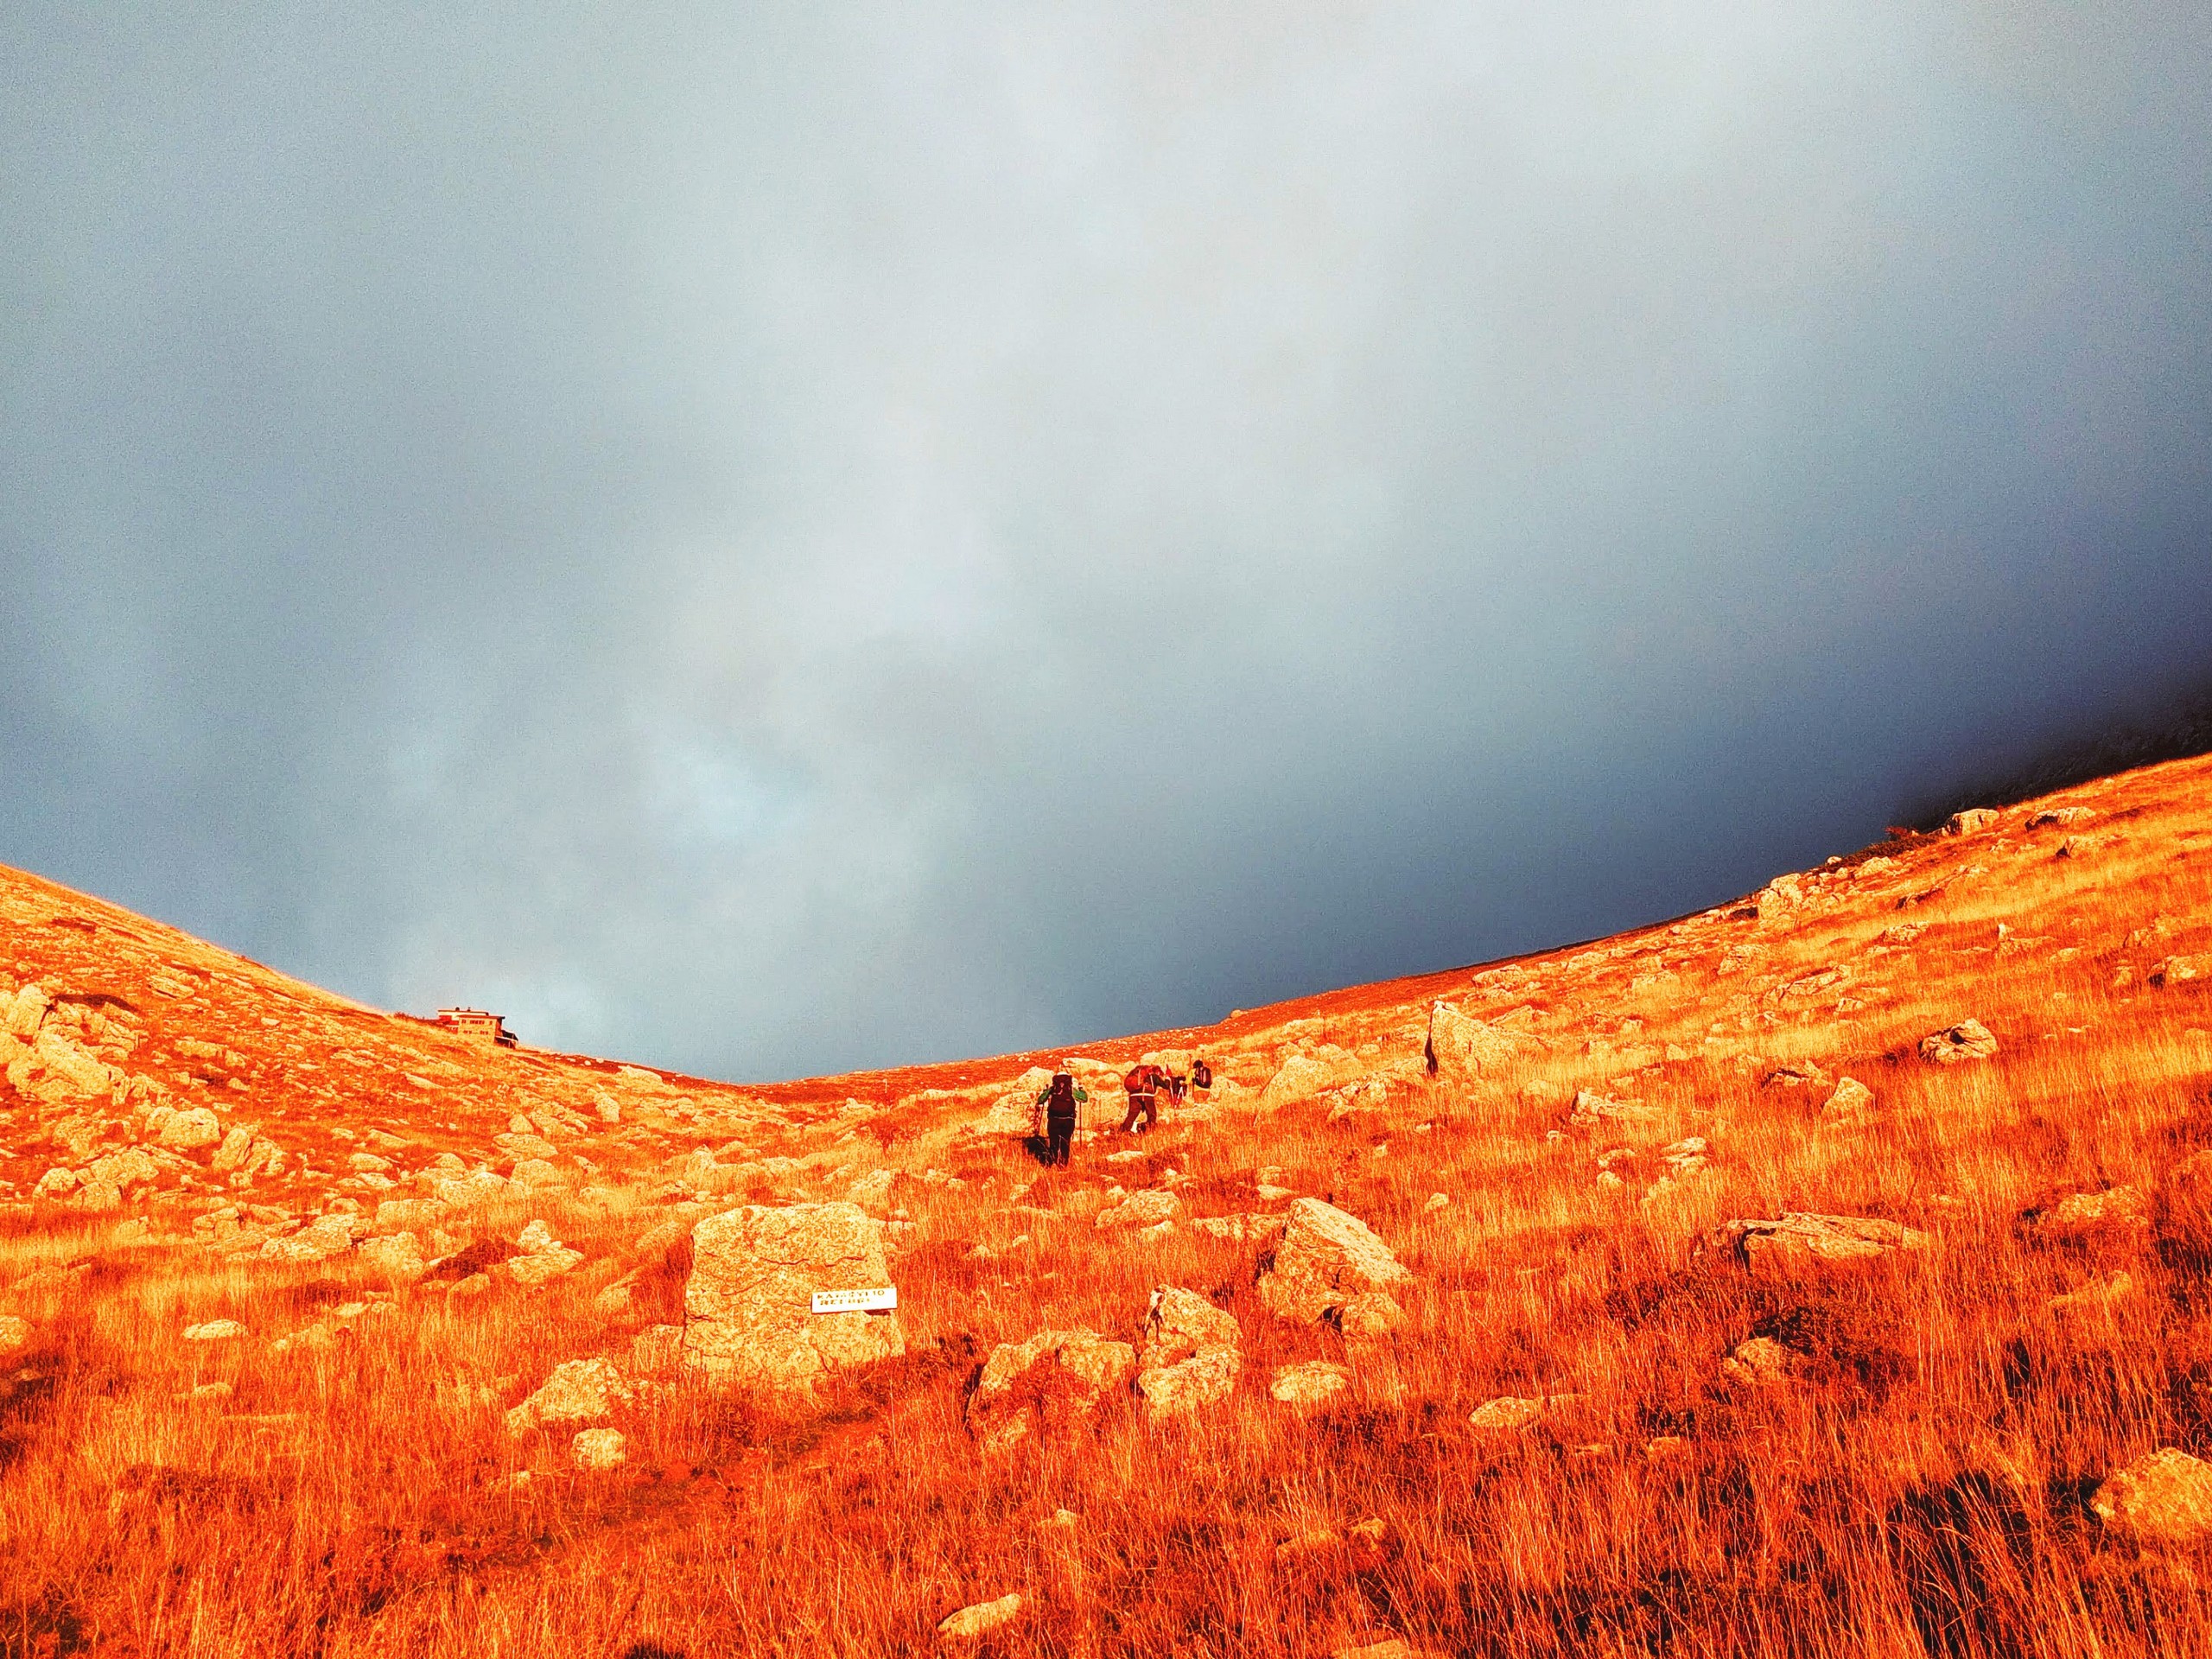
1724	1448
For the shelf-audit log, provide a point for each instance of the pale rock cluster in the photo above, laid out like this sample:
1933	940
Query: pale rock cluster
1188	1357
541	1256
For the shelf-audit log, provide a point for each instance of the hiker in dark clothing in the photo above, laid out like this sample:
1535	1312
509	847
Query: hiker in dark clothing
1057	1103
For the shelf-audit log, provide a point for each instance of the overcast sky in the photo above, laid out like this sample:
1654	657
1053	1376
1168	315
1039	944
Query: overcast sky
770	539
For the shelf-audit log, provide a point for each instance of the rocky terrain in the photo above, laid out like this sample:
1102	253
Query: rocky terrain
1827	1268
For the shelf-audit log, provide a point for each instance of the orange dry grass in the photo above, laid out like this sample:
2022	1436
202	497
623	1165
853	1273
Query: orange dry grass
1922	1489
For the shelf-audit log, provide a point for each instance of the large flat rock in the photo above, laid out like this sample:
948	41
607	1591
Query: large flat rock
755	1270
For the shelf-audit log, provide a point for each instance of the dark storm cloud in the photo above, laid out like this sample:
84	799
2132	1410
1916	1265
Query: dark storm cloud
776	539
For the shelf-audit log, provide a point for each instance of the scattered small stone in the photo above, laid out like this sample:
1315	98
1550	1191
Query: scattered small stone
1851	1106
1801	1244
214	1331
980	1618
1760	1362
1967	1040
598	1448
578	1391
2099	1297
1310	1383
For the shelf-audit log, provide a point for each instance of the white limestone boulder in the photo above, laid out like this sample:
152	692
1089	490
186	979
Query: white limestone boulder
1326	1258
755	1271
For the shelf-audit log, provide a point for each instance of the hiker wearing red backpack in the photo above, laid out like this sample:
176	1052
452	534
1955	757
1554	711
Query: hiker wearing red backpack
1145	1085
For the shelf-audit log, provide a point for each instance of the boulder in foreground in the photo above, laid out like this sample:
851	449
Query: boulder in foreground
753	1272
1326	1258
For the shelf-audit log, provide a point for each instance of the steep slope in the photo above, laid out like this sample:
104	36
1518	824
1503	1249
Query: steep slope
1805	1270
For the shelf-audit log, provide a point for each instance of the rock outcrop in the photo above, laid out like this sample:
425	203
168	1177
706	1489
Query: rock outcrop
2080	1214
190	1129
1015	1112
1799	1245
578	1391
1508	1412
2162	1499
1326	1258
1185	1389
1188	1357
1150	1208
1370	1322
1954	1044
1851	1107
1307	1073
1179	1324
397	1256
541	1257
1592	1110
755	1270
1053	1382
329	1236
1461	1048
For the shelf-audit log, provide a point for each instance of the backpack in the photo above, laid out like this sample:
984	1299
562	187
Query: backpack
1201	1075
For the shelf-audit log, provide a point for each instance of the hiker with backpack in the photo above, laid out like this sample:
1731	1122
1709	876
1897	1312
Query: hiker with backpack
1142	1084
1057	1104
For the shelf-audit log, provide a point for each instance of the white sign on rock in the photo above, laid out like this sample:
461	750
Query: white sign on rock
855	1301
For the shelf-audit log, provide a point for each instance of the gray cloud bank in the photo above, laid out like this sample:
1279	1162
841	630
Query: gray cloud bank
769	539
